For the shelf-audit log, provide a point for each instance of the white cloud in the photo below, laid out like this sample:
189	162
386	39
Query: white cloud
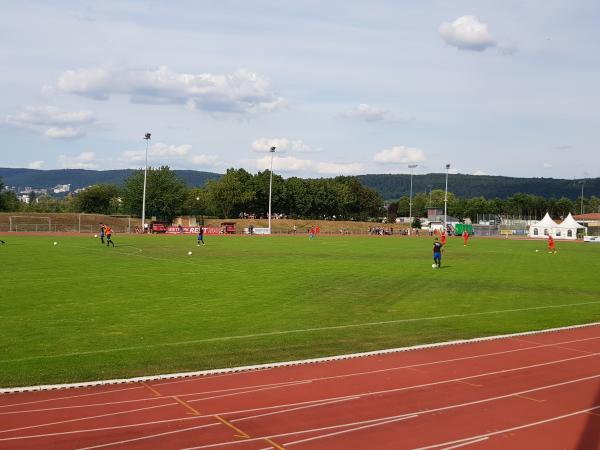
480	172
297	145
467	33
293	164
85	160
63	133
38	164
369	113
240	92
157	152
399	155
547	165
205	160
161	153
52	122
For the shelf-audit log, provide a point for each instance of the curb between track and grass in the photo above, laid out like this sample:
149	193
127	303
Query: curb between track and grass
222	371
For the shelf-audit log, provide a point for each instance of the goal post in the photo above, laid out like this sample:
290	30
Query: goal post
88	222
29	223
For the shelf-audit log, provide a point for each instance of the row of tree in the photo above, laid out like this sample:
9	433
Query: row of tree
518	205
239	192
236	193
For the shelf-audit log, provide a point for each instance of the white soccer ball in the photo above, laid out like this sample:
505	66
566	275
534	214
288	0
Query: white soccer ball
190	253
434	265
55	243
95	235
537	251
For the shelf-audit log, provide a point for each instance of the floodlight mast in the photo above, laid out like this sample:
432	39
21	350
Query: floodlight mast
446	199
272	151
582	183
411	167
147	138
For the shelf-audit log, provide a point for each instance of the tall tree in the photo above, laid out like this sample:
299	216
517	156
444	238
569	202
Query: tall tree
233	193
165	193
8	199
99	199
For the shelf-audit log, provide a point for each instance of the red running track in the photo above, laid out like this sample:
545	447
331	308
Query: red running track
540	391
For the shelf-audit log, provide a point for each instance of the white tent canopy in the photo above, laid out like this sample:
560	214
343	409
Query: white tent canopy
567	229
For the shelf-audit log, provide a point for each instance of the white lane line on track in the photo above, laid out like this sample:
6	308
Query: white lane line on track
294	331
416	413
330	402
141	424
351	430
90	430
80	419
508	430
410	366
141	438
256	388
324	402
464	444
68	397
153	398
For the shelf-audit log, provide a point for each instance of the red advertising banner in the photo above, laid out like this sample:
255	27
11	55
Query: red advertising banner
193	230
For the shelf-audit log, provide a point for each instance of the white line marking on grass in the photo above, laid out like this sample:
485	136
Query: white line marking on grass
507	430
303	330
289	363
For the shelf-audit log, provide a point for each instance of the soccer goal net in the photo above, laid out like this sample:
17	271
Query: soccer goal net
29	223
90	223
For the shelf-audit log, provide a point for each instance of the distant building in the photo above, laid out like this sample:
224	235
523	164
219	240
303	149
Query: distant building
61	188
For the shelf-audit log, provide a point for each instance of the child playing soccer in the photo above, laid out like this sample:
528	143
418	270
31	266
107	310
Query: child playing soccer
108	231
551	246
437	252
201	236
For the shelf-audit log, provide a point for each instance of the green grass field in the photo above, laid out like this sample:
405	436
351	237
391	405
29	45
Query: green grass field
80	311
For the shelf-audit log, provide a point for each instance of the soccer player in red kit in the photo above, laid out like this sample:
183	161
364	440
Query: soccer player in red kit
465	237
551	246
444	237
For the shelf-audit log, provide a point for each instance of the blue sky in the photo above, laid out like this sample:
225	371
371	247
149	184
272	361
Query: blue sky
340	87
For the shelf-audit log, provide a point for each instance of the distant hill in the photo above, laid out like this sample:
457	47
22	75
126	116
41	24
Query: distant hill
392	187
78	178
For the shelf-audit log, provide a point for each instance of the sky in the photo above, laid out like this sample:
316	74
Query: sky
339	87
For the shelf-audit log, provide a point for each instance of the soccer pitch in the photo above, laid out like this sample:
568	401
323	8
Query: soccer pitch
80	311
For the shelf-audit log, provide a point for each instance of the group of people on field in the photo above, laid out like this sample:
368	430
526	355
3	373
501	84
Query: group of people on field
440	243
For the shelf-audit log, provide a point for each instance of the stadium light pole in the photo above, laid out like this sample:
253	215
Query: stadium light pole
147	138
446	198
582	183
272	151
411	167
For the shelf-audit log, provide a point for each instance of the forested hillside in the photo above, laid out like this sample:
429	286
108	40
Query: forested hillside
78	178
392	187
